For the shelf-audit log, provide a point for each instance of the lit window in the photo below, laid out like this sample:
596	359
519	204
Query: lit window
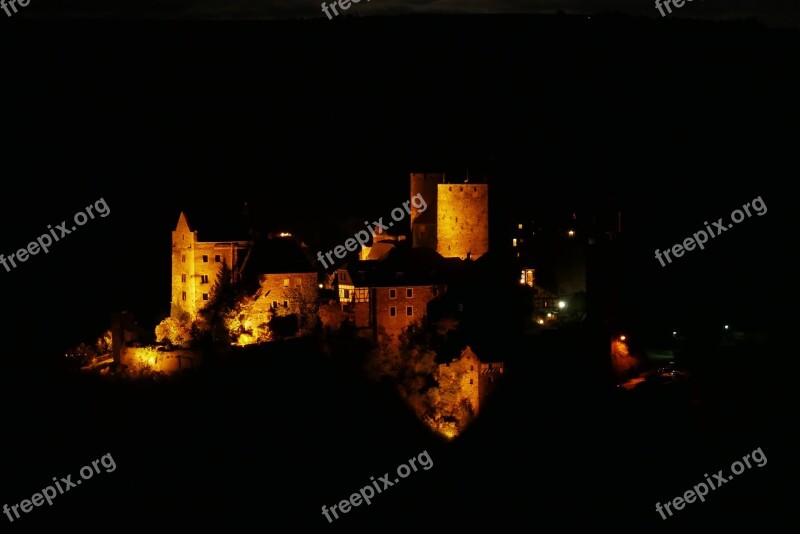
183	295
514	242
183	278
392	311
203	278
409	293
285	282
392	293
409	311
205	258
205	296
217	258
519	226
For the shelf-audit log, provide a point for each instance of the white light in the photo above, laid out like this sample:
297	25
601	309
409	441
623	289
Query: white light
726	327
549	315
321	286
562	304
674	334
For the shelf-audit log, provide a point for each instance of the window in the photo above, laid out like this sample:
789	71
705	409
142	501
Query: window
285	304
183	258
205	296
514	242
435	291
470	381
274	303
217	258
183	278
471	367
409	293
298	282
361	294
205	258
183	295
341	276
409	311
392	311
392	293
285	282
203	278
347	293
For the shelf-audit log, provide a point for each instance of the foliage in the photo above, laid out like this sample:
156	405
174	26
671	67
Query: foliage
175	331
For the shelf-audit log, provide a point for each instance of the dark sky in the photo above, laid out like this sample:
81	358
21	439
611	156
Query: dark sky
773	12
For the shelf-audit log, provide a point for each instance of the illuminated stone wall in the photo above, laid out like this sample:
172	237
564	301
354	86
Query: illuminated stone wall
462	226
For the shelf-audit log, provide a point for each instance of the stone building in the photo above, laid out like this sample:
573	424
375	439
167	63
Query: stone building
195	266
284	282
385	297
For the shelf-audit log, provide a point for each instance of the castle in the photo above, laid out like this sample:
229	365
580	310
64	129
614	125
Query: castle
286	280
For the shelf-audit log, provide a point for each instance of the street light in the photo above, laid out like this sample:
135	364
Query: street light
562	305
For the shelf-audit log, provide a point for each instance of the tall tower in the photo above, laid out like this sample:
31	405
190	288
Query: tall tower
183	288
423	223
462	223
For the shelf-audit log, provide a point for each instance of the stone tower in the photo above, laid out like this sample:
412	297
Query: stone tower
462	222
423	224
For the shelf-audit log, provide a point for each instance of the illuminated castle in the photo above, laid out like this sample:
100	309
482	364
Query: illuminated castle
456	223
195	266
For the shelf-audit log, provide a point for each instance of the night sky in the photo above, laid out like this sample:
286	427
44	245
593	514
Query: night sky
316	125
